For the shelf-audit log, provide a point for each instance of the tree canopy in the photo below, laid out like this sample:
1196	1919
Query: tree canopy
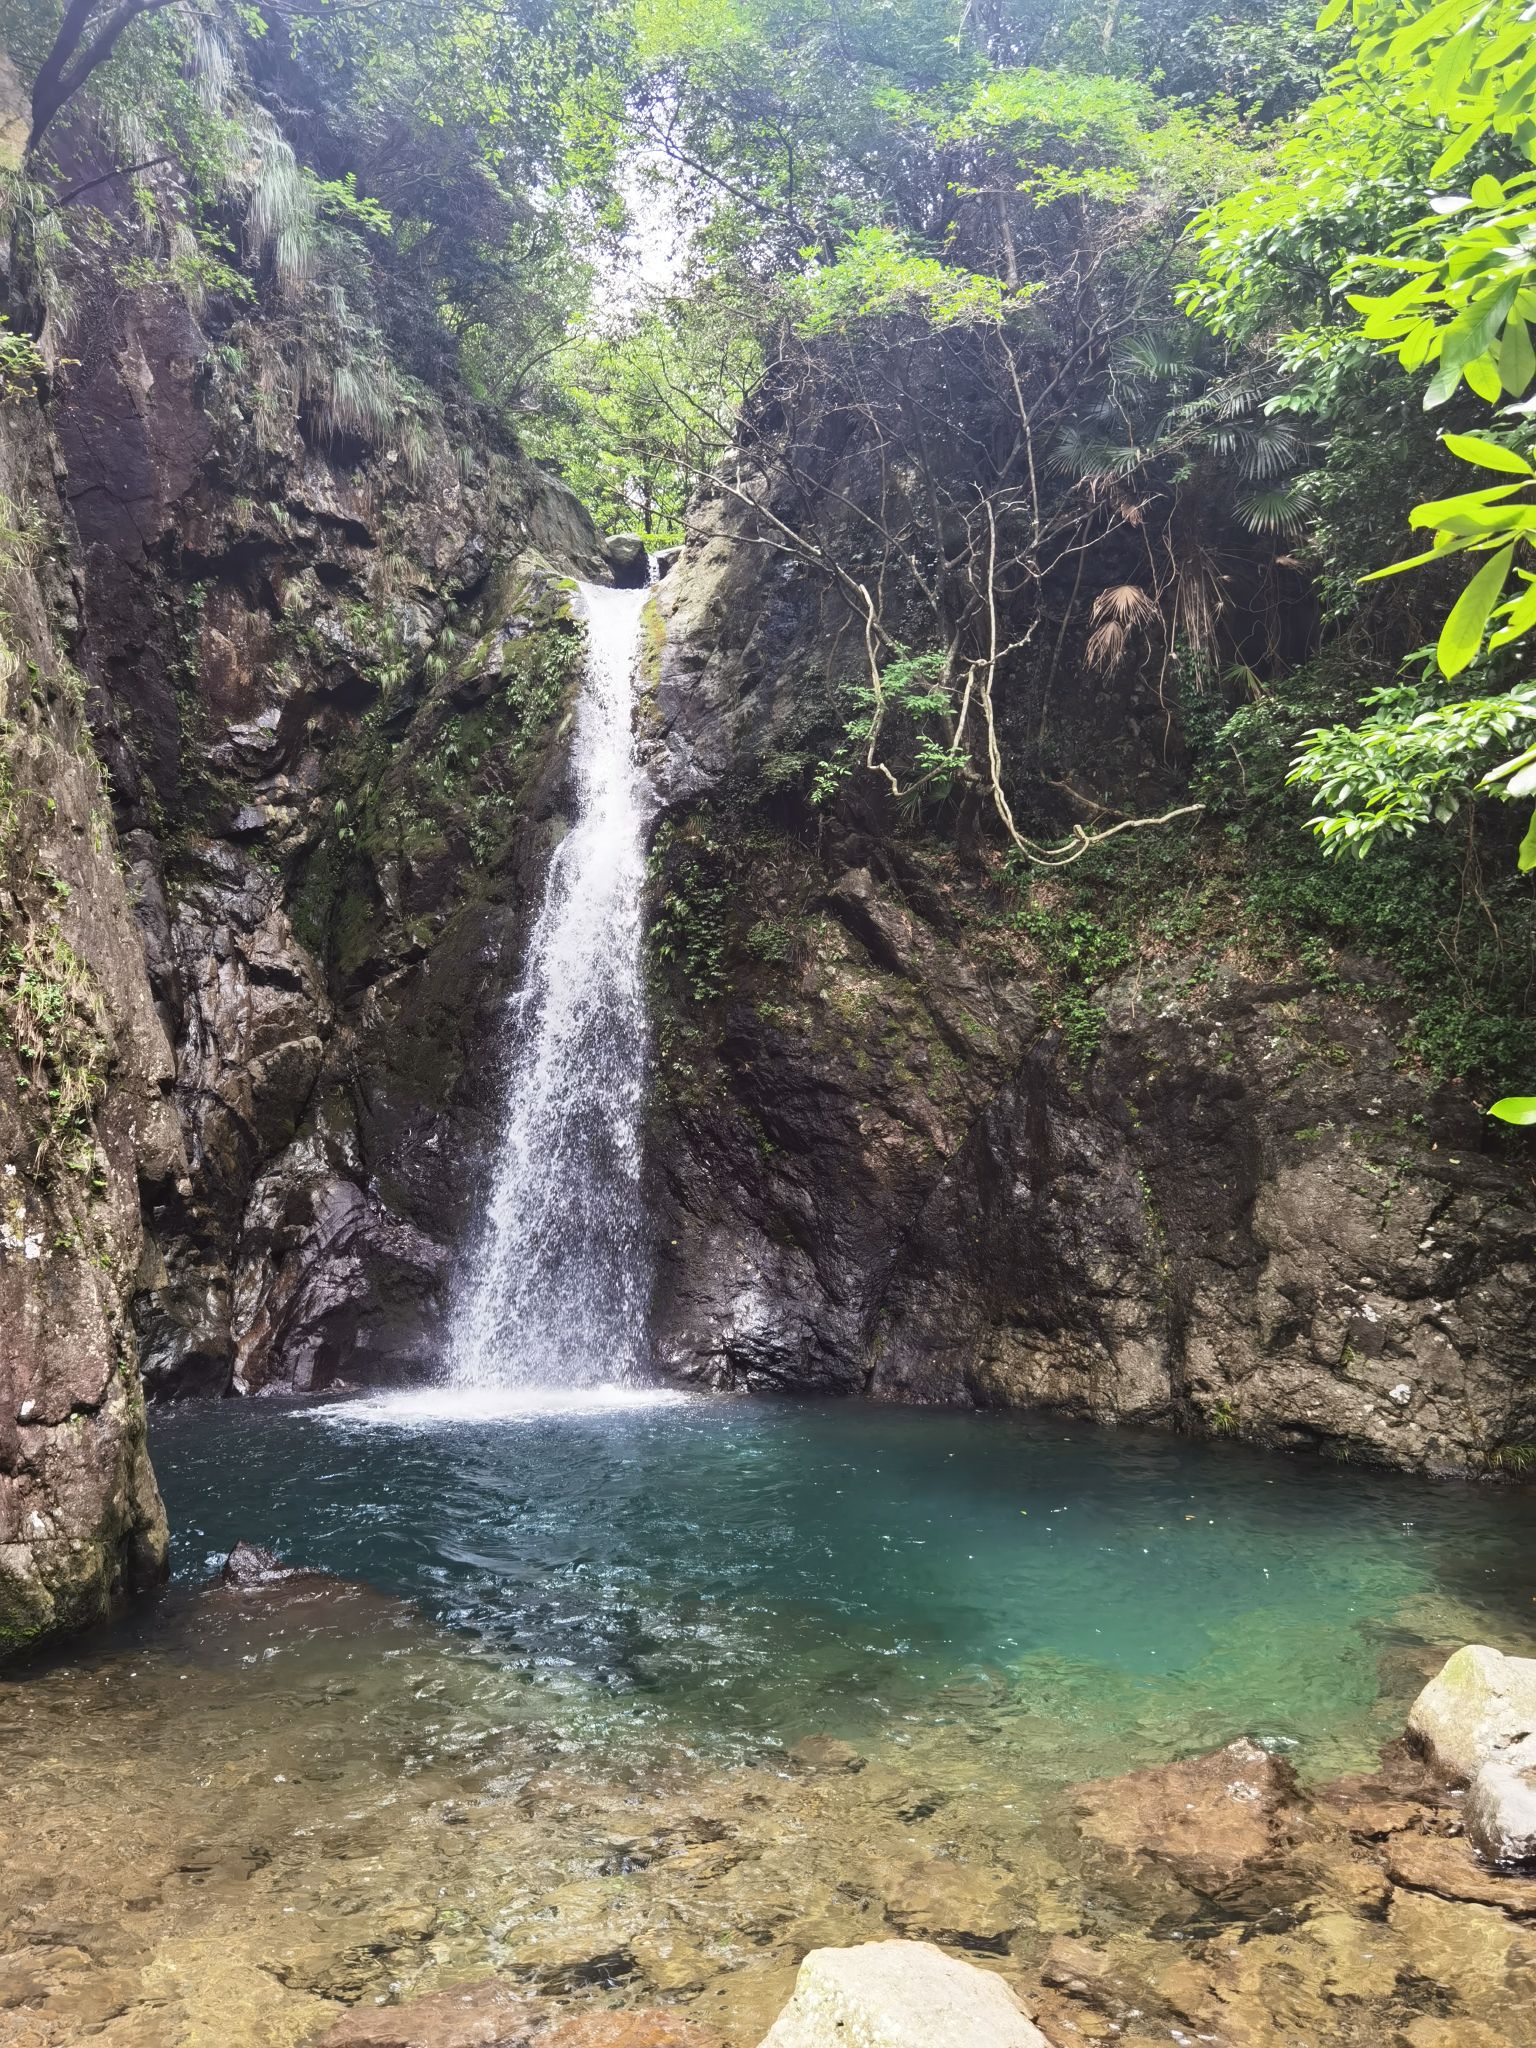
1188	344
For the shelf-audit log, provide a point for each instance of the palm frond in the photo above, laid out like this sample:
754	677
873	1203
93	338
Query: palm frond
1281	509
1268	450
1116	615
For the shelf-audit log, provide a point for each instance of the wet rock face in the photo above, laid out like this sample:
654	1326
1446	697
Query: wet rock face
249	1565
628	561
331	691
85	1123
879	1166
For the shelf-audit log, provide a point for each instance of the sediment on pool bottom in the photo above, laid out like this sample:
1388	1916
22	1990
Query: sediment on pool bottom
306	1802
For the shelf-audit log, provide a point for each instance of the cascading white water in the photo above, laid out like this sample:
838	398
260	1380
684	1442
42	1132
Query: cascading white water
557	1283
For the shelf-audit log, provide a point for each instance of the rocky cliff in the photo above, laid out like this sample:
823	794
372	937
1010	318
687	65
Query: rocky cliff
86	1118
1124	1140
328	672
283	707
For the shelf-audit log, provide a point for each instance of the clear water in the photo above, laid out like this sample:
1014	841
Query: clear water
556	1284
560	1757
726	1573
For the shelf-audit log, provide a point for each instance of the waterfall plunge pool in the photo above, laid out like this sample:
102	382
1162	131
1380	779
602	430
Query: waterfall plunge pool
728	1574
551	1719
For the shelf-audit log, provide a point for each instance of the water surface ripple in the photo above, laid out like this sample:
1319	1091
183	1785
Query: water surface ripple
731	1572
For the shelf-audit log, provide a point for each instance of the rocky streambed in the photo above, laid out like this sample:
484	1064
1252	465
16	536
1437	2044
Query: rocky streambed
289	1811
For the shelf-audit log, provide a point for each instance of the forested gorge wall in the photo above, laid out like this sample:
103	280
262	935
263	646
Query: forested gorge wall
1153	1135
86	1118
280	763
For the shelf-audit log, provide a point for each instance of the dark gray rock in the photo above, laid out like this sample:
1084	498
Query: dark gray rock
249	1565
628	560
85	1122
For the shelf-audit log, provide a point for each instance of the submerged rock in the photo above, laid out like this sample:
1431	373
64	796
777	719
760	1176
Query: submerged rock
493	2015
1449	1868
825	1753
627	2030
1210	1820
490	2015
950	1901
1481	1703
899	1994
249	1565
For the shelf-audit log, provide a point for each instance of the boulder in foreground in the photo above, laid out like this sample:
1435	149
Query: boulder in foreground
899	1994
1501	1805
1482	1703
1475	1722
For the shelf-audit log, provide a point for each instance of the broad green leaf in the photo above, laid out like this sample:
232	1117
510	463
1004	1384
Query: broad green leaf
1459	150
1514	1109
1451	67
1434	510
1487	454
1517	358
1414	33
1487	191
1434	554
1462	634
1483	377
1508	768
1516	94
1519	617
1526	858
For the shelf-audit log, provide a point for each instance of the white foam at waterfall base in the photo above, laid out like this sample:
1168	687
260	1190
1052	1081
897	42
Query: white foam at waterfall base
430	1407
556	1286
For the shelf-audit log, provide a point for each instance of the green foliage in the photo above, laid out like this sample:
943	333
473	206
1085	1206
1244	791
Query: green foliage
1517	1459
339	199
1445	916
917	704
53	1019
1409	764
1451	82
690	931
642	409
21	364
878	272
1079	948
771	939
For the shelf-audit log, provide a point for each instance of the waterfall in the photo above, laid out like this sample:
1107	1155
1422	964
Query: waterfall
558	1286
